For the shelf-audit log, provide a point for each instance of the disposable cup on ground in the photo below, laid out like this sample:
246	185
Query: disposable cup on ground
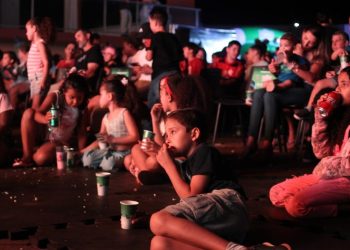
125	222
128	210
102	182
60	158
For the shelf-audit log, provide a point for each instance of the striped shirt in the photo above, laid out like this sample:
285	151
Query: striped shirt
34	62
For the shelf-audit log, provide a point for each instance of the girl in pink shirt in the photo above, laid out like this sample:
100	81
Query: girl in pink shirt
318	194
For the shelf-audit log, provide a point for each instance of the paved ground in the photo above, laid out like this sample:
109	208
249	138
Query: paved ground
41	208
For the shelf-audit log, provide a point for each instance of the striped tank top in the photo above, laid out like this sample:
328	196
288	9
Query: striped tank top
34	62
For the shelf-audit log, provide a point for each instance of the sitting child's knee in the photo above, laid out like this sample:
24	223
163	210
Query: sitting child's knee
296	208
158	242
158	221
40	159
28	114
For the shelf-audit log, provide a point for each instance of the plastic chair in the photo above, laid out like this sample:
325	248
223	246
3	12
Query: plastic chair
227	102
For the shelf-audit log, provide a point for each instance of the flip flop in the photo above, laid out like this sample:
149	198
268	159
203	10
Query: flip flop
20	163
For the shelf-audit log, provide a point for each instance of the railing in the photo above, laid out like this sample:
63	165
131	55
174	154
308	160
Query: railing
102	15
178	15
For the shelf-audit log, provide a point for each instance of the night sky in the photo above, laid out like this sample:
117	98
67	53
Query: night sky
253	12
215	13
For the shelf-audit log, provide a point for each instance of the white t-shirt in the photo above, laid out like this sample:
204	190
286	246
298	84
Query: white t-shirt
140	59
5	104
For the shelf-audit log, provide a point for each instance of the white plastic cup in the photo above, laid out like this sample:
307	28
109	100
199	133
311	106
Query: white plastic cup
60	155
125	222
102	182
146	134
102	145
249	97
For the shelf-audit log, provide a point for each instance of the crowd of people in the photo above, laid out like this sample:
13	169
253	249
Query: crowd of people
155	83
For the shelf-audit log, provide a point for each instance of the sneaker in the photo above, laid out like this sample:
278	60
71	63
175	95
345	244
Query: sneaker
269	246
302	114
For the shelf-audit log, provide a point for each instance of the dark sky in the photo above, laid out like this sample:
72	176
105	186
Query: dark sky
253	12
215	13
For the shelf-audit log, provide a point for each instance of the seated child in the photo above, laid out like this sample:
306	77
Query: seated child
34	123
118	129
211	212
175	92
9	68
6	111
319	193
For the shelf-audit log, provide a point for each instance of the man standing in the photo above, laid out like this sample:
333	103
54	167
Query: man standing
90	63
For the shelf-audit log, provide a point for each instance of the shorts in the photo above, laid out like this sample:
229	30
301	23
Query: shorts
35	88
106	159
221	211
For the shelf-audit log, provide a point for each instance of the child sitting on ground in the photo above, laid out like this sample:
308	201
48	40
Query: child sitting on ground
176	92
211	212
6	111
34	123
319	193
118	129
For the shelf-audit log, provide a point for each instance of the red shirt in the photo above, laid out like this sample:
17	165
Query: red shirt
192	68
230	71
63	64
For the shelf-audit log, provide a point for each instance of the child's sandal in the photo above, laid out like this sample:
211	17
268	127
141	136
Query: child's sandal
20	163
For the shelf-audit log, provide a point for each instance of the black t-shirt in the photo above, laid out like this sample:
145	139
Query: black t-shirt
93	55
206	160
167	53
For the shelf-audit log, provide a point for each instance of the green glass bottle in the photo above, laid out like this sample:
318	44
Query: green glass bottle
54	118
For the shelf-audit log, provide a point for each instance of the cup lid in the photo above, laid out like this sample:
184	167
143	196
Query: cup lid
103	174
129	202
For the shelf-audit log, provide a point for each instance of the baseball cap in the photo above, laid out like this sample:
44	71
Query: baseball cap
145	31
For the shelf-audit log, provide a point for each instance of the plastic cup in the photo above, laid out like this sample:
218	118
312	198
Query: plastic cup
249	96
125	222
60	158
102	145
146	134
102	181
128	210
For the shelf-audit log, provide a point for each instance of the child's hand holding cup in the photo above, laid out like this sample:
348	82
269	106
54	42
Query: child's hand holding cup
102	144
147	143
